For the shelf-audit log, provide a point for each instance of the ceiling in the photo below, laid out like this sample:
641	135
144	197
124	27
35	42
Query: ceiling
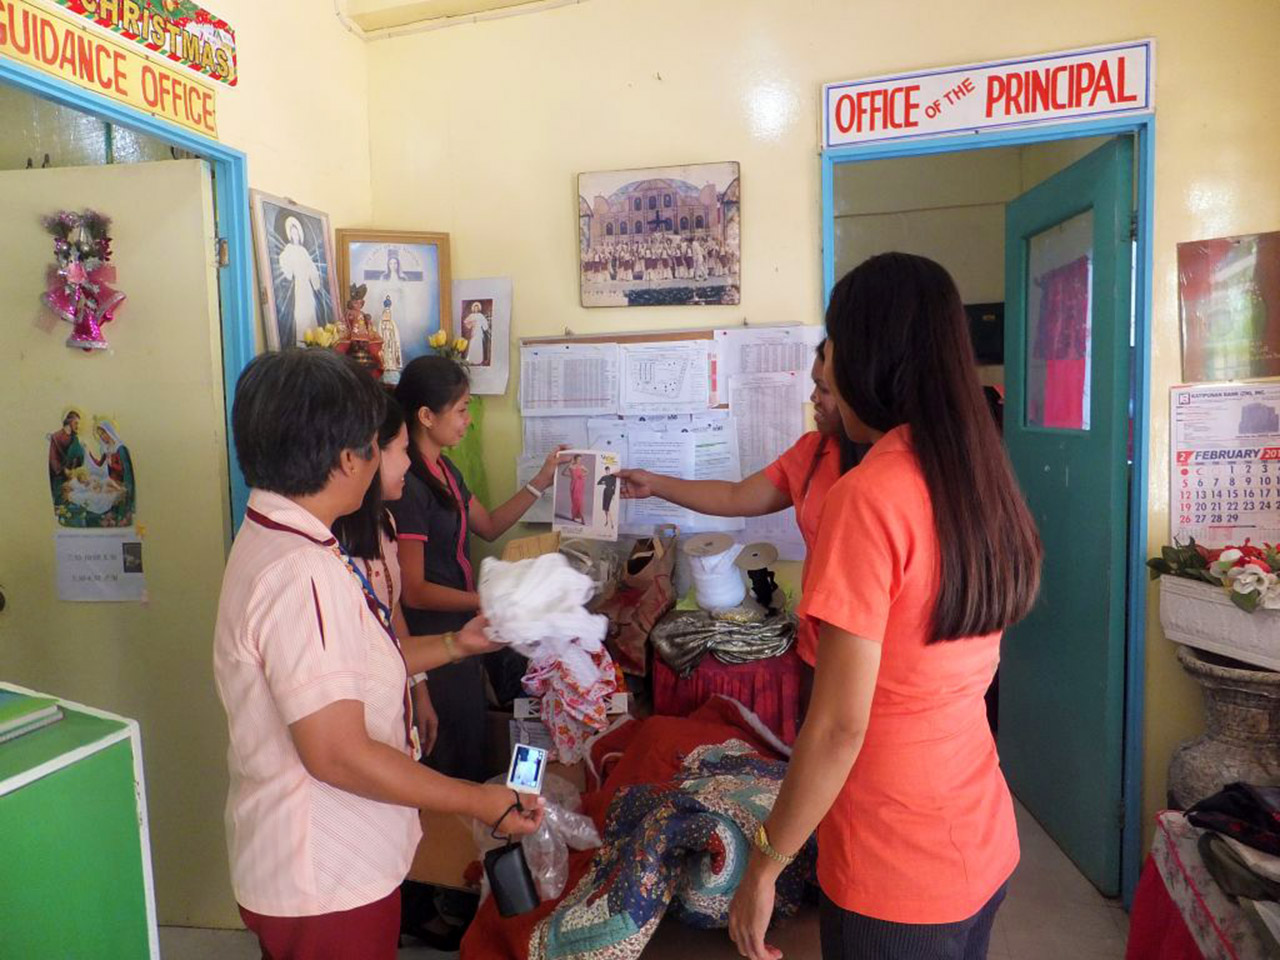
371	15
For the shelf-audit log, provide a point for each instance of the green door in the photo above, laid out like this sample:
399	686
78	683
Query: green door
1068	279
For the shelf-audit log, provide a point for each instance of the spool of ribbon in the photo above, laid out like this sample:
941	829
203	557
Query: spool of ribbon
717	582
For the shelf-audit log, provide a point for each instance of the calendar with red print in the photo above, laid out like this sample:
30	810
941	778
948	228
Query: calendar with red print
1225	463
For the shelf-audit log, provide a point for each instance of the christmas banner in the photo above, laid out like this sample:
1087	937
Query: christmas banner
183	31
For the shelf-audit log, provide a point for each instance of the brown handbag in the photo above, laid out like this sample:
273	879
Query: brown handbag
645	593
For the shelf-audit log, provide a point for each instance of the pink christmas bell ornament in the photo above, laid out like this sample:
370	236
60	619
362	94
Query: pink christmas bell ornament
79	283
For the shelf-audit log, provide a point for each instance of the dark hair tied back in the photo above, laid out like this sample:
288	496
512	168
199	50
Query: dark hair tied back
434	383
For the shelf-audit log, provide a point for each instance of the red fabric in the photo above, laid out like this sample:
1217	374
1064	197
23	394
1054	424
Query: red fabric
653	751
772	689
371	932
1156	928
1062	344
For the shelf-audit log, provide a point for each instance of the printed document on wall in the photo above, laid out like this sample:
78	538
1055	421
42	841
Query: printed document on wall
544	434
667	453
610	435
715	457
768	409
671	377
526	469
764	350
569	379
100	566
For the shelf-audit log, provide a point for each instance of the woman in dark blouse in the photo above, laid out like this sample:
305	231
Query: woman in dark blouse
434	520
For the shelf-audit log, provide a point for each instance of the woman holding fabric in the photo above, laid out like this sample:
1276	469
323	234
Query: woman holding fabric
927	553
434	519
801	477
322	811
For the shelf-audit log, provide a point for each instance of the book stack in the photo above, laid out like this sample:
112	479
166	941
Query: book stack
21	714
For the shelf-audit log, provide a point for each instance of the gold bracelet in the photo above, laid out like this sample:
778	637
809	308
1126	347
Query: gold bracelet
449	647
765	847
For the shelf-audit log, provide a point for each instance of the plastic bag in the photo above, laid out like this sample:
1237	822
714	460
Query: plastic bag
546	850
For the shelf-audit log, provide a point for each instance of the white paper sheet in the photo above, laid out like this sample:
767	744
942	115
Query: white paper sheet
482	314
544	434
659	422
767	407
526	469
610	435
100	566
715	457
569	379
670	377
667	453
763	350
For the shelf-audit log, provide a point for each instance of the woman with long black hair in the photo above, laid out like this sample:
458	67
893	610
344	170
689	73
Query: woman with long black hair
927	553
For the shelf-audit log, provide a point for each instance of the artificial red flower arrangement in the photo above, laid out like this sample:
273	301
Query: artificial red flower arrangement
1251	575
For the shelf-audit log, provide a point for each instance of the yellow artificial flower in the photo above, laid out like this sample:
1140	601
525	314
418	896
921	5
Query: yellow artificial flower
461	344
309	338
439	339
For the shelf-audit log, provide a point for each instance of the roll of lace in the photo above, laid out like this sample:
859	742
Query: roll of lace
684	637
717	583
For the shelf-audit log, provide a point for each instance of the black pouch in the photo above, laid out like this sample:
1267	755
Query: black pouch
511	881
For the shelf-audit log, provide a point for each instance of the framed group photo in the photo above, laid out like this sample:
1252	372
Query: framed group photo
296	274
663	236
406	273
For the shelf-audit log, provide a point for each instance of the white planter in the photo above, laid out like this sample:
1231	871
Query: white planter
1202	616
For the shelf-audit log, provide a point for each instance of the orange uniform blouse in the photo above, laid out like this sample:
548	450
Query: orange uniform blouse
923	830
794	474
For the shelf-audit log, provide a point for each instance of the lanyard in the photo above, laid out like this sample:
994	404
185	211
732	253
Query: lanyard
381	612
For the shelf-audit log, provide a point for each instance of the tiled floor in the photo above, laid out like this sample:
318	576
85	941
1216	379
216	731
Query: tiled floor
1051	913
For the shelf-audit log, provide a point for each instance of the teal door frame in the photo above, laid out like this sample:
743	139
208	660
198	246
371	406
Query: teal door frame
1142	128
231	203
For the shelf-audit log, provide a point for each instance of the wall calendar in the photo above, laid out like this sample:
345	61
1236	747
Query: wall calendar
1225	463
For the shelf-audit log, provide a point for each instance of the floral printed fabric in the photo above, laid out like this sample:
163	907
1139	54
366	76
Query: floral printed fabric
1218	925
684	844
573	712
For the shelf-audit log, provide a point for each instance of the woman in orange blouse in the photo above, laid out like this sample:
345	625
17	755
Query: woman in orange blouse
801	478
927	553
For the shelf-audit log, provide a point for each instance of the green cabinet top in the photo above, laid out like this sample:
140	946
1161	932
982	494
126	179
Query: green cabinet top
74	731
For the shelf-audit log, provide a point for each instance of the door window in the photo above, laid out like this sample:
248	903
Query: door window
1060	325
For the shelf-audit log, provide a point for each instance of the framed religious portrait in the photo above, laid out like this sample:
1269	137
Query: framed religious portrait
482	311
664	236
296	275
406	276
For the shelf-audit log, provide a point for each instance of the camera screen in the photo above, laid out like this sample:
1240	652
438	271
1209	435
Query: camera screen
527	765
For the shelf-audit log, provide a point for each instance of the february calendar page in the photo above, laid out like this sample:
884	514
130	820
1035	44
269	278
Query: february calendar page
1225	483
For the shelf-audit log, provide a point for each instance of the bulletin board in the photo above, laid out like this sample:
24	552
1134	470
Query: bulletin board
707	404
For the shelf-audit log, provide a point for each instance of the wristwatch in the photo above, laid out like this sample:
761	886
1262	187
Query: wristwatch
765	847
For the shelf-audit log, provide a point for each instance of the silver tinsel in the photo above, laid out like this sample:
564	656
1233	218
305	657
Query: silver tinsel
683	637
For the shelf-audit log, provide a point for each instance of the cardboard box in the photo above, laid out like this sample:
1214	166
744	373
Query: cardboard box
446	850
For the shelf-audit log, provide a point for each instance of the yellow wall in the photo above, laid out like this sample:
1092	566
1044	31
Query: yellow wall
301	108
517	107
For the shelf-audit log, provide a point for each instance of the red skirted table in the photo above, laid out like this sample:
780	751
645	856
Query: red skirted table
772	689
1179	912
